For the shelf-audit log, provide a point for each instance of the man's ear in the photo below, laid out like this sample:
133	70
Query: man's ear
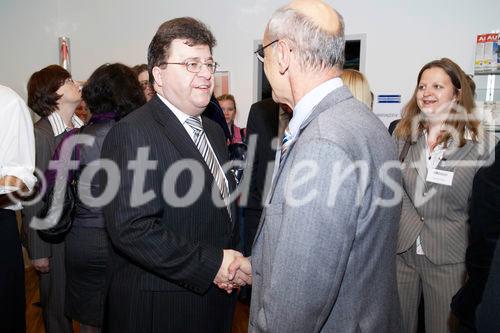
284	55
157	76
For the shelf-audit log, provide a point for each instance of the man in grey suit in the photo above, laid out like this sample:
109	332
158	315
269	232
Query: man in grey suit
324	254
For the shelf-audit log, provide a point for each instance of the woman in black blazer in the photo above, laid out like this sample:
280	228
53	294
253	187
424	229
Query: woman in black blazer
111	92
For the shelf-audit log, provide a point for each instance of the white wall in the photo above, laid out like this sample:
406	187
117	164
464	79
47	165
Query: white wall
401	36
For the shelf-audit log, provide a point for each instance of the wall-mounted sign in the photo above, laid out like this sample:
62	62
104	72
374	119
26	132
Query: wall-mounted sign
487	60
389	98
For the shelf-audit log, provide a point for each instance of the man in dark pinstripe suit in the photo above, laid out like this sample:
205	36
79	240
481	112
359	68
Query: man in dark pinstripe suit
167	254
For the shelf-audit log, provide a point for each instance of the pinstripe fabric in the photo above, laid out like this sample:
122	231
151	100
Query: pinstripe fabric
201	141
438	283
52	284
438	213
164	257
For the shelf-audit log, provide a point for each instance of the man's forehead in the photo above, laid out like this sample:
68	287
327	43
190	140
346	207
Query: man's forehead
185	48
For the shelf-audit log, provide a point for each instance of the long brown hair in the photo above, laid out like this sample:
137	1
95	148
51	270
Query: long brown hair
465	102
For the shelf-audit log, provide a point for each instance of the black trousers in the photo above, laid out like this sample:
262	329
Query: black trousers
13	301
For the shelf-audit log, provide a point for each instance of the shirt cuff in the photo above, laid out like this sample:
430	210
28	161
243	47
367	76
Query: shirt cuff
23	173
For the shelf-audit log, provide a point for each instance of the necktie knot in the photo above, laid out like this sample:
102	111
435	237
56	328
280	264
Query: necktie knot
287	137
285	143
195	123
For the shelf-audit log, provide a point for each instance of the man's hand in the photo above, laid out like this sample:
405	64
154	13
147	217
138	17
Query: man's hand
237	273
240	271
222	277
41	265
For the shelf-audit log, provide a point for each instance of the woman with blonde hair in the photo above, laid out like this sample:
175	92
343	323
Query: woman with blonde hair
358	85
441	146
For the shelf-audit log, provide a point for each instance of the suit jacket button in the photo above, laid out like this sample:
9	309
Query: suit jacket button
422	218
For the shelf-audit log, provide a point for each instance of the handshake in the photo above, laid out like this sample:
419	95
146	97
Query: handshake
235	271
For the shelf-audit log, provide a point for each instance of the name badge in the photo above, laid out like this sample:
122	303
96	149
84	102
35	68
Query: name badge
440	176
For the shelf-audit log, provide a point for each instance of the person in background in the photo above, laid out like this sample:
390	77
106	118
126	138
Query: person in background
214	112
54	96
228	105
267	120
17	164
82	112
442	146
484	221
143	76
358	85
111	93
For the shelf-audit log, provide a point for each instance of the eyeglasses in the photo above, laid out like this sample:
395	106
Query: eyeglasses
195	66
259	53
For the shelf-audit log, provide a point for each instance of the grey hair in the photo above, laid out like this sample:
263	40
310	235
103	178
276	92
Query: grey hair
317	49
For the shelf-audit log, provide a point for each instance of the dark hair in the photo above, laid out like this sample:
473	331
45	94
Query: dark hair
138	69
42	89
194	31
113	88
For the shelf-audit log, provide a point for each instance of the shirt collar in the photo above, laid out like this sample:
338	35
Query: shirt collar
307	103
178	113
58	125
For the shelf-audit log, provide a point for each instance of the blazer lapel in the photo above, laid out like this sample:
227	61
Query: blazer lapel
182	142
454	155
175	131
417	157
329	101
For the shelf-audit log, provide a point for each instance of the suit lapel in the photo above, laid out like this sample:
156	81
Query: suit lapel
175	131
329	101
454	154
417	154
182	142
338	95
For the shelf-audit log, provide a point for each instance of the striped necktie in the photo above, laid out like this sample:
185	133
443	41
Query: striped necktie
285	143
201	142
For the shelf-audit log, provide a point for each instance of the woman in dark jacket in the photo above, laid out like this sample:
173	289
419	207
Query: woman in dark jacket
111	92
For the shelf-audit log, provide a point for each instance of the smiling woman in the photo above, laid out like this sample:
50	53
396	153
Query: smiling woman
440	141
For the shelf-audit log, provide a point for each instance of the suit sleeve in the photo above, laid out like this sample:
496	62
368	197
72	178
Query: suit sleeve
37	247
313	248
139	233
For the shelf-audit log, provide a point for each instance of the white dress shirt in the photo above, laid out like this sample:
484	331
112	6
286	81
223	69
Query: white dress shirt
182	118
59	126
305	106
17	141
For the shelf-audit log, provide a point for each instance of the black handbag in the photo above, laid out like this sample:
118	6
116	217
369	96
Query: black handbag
62	223
56	200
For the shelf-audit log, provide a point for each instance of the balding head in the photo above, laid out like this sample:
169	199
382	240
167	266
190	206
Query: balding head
318	12
315	31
